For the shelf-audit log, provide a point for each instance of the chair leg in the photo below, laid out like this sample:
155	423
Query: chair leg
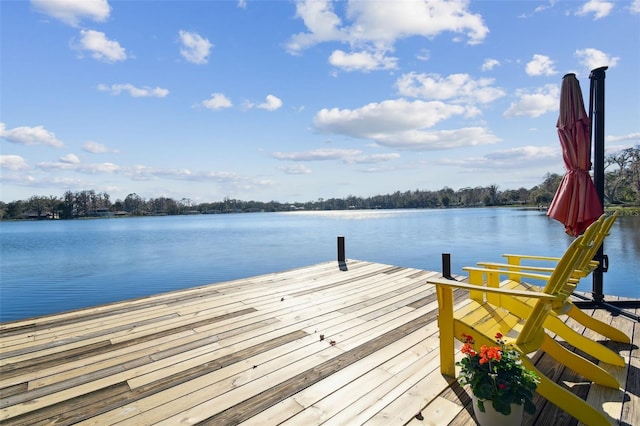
567	401
597	325
578	364
583	343
446	326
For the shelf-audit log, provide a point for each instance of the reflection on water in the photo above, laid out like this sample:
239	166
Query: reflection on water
53	266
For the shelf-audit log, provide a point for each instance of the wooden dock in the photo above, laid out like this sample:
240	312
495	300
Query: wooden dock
314	345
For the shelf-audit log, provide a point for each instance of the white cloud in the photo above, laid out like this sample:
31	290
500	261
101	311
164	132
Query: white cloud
634	7
272	103
523	154
362	61
13	162
70	163
425	55
96	148
142	172
376	120
624	138
387	22
137	173
599	8
70	159
30	136
512	159
136	92
457	87
195	48
543	100
374	27
296	169
544	7
323	25
594	58
402	124
489	64
217	101
540	65
376	158
98	168
420	140
344	155
318	155
56	166
242	4
71	12
101	48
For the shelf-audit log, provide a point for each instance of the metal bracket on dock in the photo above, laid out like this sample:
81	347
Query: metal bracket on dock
616	307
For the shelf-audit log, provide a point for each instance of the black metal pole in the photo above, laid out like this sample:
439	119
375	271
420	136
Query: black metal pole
446	266
596	114
341	250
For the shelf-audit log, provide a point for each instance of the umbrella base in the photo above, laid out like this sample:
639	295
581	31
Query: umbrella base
615	306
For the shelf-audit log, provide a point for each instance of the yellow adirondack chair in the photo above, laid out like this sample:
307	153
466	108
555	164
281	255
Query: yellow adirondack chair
516	272
483	320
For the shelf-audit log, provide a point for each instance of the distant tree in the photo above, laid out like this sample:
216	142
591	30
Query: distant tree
133	204
543	194
38	206
622	185
491	196
172	207
16	209
67	205
118	206
53	206
446	195
622	181
83	203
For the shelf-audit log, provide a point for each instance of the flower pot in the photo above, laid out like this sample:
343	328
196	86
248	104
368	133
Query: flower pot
491	417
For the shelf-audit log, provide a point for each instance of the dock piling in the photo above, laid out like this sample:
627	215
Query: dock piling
341	251
342	258
446	266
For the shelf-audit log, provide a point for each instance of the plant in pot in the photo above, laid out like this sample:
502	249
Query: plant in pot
501	385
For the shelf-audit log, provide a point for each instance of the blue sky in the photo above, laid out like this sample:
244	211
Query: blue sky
300	100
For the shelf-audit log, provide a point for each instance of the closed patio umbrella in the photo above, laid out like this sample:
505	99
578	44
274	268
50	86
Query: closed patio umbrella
576	203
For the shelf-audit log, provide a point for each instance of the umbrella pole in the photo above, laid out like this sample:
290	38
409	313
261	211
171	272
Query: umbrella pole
596	114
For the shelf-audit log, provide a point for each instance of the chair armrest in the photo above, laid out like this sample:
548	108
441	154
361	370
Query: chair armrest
499	272
507	272
513	267
493	290
531	257
516	258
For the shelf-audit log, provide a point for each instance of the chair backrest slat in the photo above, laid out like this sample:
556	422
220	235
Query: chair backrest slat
585	266
532	332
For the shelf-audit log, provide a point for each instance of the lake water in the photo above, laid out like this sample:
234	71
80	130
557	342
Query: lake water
54	266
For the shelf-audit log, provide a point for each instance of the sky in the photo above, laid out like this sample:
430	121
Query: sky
294	101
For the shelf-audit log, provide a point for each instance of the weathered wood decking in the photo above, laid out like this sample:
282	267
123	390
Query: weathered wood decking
315	345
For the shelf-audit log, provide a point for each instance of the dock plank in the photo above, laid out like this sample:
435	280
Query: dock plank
356	344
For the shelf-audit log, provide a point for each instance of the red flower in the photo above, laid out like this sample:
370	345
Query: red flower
468	349
496	371
492	353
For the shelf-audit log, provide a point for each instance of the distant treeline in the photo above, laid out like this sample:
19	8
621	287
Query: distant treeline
622	186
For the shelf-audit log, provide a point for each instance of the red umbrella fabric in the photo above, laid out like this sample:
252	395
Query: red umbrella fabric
576	203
